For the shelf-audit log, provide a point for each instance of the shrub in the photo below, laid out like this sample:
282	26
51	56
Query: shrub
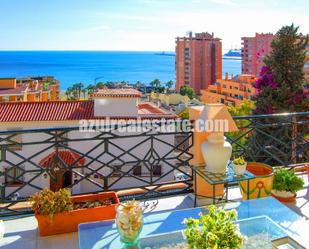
47	202
214	230
287	180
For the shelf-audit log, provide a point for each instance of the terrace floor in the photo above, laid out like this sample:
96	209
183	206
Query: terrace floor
22	233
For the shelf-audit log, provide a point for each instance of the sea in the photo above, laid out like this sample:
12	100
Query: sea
88	67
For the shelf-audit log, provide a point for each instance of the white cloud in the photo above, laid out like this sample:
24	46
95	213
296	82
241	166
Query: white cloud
102	27
223	2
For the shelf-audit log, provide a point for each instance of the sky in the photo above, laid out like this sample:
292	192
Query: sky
145	25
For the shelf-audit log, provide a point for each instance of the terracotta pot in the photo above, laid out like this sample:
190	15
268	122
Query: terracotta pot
67	222
260	186
283	197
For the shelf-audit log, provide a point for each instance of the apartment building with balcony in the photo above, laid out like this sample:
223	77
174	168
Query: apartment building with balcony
254	49
45	88
198	61
95	161
230	91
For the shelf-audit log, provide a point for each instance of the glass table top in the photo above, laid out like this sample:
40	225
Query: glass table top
228	177
103	234
258	231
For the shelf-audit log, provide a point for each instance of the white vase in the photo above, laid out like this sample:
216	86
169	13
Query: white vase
239	169
2	230
217	152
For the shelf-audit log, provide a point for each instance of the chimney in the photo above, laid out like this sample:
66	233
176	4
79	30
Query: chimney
226	76
116	102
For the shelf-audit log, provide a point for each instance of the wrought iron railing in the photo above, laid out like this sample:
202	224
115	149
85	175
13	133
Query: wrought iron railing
144	163
147	163
278	139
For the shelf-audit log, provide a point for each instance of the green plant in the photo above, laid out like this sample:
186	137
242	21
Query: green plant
287	180
214	230
239	161
47	202
187	90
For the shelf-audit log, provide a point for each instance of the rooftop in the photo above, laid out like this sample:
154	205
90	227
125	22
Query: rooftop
117	93
66	110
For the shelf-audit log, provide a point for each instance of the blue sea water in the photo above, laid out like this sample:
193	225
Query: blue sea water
85	66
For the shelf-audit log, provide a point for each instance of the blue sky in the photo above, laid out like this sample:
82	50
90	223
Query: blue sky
139	24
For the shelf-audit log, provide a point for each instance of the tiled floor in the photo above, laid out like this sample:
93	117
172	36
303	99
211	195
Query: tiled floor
22	233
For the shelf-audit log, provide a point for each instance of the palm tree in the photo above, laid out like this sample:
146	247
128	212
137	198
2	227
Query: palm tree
100	85
77	89
84	90
156	83
69	92
90	89
169	85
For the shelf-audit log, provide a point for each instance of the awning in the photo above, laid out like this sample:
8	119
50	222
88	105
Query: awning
67	156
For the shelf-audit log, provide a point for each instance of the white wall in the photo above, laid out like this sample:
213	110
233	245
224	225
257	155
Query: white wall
112	107
84	146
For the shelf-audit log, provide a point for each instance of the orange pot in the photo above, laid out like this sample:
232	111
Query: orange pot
260	186
67	222
291	199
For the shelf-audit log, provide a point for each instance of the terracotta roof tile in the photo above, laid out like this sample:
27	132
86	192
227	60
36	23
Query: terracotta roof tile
18	90
67	110
116	93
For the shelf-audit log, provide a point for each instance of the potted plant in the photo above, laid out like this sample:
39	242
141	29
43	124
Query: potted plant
261	185
286	184
59	212
216	229
239	165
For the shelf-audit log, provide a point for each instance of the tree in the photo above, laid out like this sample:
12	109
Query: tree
187	90
69	92
280	88
77	89
169	85
100	85
84	90
244	109
156	83
281	84
90	89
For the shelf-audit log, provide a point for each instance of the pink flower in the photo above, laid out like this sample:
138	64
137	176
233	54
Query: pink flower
264	70
270	110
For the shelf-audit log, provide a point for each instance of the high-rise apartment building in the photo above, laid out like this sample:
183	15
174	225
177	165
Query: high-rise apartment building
198	61
254	49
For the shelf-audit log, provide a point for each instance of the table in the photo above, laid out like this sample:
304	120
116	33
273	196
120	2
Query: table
215	179
103	234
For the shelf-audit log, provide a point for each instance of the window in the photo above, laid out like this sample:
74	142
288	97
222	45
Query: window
15	138
157	170
137	171
13	176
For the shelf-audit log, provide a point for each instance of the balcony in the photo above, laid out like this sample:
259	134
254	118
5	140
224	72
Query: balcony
105	159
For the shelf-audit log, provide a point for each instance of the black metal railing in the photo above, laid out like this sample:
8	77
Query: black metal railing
142	162
278	139
147	163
